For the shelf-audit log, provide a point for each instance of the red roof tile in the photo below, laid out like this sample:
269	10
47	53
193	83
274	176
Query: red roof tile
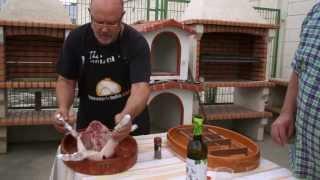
229	23
149	26
36	24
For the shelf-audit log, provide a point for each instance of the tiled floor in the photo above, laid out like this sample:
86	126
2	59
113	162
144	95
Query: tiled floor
32	161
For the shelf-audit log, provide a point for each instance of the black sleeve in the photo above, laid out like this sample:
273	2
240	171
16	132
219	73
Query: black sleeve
69	61
140	61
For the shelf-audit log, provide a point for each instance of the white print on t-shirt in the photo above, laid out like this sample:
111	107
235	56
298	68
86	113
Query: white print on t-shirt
107	87
108	98
97	58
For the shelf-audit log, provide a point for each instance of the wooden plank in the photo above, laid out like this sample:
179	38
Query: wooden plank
229	152
219	142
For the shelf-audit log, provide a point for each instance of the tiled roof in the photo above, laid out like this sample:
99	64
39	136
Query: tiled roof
232	112
229	23
36	24
149	26
241	84
280	82
177	85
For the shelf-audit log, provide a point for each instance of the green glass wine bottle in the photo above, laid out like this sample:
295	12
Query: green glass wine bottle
197	153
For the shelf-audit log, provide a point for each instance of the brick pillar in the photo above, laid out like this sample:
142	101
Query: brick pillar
3	95
196	69
2	56
3	129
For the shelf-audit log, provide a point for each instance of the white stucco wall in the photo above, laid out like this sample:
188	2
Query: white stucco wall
266	3
296	12
293	13
185	42
187	100
43	11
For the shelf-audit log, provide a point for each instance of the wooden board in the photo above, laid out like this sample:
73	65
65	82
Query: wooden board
226	148
125	157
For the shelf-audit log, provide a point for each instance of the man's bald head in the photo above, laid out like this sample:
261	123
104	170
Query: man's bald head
112	6
106	18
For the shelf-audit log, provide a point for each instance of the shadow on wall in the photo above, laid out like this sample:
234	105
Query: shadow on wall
165	111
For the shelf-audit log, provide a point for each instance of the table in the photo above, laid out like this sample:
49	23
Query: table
169	167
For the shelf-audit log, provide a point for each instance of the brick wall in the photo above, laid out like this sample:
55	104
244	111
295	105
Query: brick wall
31	52
241	42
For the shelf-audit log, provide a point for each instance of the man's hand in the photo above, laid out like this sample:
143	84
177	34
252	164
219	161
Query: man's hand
282	129
121	133
68	116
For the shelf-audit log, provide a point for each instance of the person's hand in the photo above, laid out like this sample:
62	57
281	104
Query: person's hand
121	133
68	116
282	129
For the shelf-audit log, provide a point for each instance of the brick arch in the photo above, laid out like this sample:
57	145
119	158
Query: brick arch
160	98
178	55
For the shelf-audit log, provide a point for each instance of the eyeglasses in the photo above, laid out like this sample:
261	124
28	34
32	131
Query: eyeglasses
110	26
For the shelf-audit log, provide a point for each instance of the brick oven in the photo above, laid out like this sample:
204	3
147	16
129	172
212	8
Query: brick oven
230	51
171	102
232	54
30	51
31	36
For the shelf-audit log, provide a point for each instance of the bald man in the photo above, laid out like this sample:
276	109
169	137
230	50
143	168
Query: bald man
110	62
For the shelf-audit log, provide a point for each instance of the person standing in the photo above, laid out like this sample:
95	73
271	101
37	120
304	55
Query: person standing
110	62
300	114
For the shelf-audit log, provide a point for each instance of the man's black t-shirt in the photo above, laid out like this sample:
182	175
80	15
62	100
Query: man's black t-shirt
105	73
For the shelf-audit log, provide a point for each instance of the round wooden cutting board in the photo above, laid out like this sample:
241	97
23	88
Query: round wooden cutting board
125	157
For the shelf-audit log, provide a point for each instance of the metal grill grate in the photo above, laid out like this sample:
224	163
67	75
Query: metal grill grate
32	99
221	95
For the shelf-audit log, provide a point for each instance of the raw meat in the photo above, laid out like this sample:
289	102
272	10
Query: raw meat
95	136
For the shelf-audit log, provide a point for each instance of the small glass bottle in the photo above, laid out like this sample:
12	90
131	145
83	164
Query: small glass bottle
157	147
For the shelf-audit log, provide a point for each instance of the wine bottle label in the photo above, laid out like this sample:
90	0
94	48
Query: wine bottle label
196	169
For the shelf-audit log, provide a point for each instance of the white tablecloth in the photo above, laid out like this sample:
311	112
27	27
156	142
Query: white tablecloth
169	167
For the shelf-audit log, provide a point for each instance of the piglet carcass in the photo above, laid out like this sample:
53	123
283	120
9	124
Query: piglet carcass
96	141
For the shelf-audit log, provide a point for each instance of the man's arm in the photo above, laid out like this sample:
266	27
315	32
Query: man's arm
65	92
283	127
137	100
136	103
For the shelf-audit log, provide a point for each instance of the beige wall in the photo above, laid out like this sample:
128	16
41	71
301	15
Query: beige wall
296	12
266	3
293	13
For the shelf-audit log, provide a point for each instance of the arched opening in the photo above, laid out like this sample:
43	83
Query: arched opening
229	56
165	54
166	111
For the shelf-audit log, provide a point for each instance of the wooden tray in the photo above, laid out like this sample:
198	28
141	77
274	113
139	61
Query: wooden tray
125	157
226	148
